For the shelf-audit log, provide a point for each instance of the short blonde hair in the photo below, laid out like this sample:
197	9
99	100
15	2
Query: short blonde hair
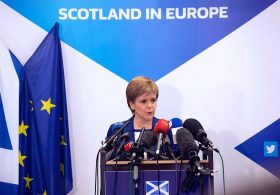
138	86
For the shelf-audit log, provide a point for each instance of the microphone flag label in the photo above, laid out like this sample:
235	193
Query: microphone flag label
155	188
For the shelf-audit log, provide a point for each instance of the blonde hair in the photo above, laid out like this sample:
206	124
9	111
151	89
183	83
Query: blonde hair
138	86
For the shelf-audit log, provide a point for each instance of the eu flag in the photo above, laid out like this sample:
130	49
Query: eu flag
44	145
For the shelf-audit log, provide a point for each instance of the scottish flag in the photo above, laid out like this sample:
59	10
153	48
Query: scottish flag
155	188
10	73
44	145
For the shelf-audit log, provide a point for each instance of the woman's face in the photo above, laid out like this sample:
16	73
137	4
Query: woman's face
144	106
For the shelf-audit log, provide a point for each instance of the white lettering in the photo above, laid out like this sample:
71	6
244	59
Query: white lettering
201	11
181	15
155	14
101	17
70	14
196	13
191	12
62	13
135	13
93	12
223	12
213	11
113	15
83	14
170	13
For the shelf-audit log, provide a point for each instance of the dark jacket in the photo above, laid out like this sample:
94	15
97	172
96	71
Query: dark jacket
131	131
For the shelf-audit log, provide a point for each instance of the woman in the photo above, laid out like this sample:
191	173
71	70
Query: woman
141	94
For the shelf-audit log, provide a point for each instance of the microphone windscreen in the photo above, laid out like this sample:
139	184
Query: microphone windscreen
193	126
175	124
117	125
162	126
185	142
148	139
127	146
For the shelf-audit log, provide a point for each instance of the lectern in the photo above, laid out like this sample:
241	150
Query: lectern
156	177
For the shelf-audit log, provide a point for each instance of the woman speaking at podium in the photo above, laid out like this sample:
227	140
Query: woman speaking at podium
141	94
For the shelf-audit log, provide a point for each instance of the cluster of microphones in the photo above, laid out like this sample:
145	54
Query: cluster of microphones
185	136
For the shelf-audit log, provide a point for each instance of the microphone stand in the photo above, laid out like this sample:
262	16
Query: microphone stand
136	159
136	164
107	144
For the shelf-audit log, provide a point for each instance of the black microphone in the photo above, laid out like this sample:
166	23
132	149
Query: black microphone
166	143
146	143
108	142
148	139
135	148
110	154
188	148
123	139
198	133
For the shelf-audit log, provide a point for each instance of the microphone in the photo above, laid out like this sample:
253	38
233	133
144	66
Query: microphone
128	146
198	133
110	153
118	127
135	148
124	138
161	129
166	143
175	124
148	139
188	148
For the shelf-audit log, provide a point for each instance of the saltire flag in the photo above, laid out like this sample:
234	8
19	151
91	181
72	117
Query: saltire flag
10	75
157	188
44	145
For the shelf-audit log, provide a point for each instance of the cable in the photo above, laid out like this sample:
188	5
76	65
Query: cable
178	186
116	176
176	175
224	185
158	175
96	183
130	178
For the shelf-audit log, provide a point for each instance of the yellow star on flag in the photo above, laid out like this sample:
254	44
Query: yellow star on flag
62	142
22	128
21	158
28	180
47	105
45	192
62	168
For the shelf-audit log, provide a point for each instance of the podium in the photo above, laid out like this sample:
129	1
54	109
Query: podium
155	177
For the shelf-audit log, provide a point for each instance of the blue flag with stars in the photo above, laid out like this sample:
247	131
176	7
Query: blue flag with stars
44	145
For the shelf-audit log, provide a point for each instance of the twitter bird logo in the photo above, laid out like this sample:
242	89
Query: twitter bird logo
270	149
